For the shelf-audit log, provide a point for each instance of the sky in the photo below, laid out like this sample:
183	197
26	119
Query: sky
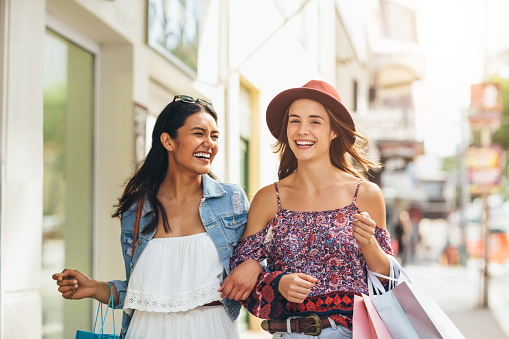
455	37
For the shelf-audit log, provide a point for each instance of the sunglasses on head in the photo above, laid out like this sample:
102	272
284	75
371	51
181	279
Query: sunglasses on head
191	100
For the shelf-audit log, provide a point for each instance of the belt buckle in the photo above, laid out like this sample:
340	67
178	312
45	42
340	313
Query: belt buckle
317	324
265	325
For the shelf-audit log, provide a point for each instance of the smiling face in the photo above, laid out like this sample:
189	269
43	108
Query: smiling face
195	146
309	132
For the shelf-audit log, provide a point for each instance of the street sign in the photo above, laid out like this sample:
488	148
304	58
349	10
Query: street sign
485	106
484	120
484	166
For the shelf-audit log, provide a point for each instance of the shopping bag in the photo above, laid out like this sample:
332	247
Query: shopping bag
361	325
394	317
425	316
101	335
429	320
366	321
91	335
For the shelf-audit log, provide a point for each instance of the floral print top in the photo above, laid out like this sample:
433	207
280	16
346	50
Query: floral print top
320	244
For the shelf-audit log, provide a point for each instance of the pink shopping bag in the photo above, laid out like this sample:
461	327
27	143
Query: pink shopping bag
362	328
366	321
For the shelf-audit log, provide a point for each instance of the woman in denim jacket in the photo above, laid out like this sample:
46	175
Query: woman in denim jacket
178	283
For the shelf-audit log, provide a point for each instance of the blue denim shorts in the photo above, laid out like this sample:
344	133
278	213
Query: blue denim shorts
333	332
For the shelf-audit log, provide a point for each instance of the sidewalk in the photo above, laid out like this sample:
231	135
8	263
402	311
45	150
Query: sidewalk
456	290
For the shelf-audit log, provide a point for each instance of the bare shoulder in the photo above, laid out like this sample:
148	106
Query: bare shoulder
267	192
369	191
262	210
370	199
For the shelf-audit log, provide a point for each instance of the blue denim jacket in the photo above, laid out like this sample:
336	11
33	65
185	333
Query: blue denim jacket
223	211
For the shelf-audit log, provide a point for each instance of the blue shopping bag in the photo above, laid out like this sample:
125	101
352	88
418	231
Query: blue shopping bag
91	335
101	335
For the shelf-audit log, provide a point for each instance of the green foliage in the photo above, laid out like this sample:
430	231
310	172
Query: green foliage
475	138
501	136
504	183
451	163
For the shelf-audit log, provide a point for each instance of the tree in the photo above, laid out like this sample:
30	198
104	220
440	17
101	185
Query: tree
501	136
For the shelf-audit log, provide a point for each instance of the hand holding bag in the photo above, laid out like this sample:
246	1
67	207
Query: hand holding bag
100	335
388	307
426	317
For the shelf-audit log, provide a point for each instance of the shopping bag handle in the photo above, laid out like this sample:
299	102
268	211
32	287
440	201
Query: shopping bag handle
376	287
103	319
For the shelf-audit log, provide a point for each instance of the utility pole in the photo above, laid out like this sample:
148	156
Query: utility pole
465	191
485	142
485	161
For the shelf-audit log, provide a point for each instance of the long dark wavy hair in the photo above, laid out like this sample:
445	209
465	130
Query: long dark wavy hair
150	174
341	151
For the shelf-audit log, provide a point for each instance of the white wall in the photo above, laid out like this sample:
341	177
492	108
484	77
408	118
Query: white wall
276	50
22	38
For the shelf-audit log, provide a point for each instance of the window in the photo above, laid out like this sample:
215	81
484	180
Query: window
68	177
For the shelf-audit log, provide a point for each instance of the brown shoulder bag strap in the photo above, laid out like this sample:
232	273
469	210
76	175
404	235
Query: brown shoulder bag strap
137	218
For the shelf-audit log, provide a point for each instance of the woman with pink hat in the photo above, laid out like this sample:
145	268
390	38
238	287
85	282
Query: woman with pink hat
320	226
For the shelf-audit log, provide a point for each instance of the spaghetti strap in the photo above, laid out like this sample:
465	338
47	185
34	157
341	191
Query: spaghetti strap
277	195
356	191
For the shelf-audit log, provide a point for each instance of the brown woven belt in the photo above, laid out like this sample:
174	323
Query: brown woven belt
309	325
214	303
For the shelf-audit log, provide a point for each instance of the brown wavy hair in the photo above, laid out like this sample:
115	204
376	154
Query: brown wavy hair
345	155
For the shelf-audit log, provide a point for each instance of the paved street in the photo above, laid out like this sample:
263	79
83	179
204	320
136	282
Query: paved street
456	289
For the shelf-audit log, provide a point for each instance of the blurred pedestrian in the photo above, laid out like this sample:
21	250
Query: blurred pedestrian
189	223
321	225
415	215
403	232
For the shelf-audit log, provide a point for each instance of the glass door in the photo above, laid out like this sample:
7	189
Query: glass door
68	178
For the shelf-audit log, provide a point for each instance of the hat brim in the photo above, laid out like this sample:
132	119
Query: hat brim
277	107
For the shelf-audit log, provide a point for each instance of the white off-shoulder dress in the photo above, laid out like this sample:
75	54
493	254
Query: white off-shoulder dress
173	279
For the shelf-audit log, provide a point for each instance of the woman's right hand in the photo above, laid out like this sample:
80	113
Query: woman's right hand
295	287
74	285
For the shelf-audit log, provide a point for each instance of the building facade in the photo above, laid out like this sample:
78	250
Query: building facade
82	84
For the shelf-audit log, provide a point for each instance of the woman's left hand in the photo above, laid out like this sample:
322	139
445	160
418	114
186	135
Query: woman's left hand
241	281
363	228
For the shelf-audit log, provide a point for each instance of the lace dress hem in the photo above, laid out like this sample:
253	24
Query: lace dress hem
181	302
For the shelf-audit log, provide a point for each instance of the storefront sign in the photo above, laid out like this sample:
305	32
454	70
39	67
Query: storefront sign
400	148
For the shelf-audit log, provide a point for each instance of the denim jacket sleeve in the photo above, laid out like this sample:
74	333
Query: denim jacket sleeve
121	286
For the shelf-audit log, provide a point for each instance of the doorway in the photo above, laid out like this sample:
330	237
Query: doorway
69	86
